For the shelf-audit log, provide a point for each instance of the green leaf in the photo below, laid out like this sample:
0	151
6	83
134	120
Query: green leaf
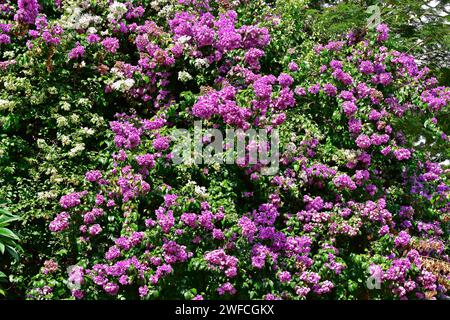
8	234
4	220
12	252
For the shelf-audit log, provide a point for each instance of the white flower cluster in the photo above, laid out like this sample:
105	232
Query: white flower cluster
184	76
123	85
61	121
7	105
96	120
16	83
116	11
9	55
56	178
166	11
157	5
118	82
87	131
91	30
184	39
351	155
200	191
38	98
41	143
74	118
52	90
79	147
65	140
74	18
65	105
201	63
47	195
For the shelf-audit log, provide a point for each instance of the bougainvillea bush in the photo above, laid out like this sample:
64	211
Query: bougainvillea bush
92	93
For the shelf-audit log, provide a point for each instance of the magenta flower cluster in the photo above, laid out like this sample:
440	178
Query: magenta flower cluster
355	196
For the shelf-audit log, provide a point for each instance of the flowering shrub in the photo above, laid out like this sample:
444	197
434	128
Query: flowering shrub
359	198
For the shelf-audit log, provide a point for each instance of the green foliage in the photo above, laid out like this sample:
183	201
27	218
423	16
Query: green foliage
54	116
8	241
421	27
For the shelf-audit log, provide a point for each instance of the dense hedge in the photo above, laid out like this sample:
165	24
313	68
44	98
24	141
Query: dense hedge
92	93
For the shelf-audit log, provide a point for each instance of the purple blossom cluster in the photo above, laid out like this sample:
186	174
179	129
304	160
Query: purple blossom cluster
27	11
351	189
219	259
